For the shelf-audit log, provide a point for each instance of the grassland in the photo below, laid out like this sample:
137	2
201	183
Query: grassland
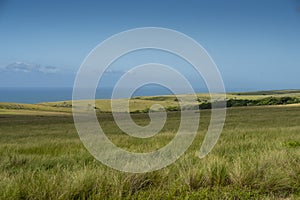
256	157
144	103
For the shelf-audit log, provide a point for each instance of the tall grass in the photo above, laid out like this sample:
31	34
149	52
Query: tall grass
256	157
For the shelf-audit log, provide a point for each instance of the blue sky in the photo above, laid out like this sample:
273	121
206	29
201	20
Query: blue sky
255	43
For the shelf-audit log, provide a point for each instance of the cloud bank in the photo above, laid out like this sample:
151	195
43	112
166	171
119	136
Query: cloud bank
29	68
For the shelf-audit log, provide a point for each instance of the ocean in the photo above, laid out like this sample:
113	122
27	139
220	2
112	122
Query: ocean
38	95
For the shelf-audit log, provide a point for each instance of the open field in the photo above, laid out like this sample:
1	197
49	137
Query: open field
141	104
256	157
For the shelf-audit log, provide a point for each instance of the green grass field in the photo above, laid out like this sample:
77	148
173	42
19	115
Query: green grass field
256	157
142	103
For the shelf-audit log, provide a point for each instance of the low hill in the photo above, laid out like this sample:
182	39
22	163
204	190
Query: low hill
169	102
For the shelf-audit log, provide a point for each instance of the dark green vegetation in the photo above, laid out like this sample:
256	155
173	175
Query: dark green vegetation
233	103
256	157
263	101
269	92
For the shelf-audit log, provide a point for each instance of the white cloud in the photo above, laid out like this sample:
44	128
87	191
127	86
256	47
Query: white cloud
30	67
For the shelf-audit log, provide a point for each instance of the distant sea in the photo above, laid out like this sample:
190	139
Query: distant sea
38	95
